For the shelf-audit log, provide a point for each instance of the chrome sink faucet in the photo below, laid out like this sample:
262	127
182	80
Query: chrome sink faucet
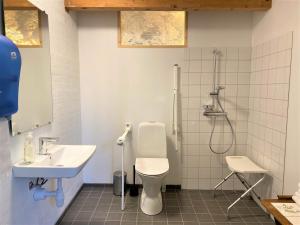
44	142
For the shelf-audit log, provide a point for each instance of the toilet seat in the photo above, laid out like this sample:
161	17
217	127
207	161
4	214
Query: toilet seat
152	166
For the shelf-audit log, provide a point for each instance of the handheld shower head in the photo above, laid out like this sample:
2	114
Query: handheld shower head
219	88
217	52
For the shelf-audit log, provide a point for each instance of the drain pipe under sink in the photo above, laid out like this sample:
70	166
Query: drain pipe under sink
41	193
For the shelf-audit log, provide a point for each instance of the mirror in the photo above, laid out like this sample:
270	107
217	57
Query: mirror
28	28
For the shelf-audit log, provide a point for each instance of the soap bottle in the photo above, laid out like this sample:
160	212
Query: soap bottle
29	149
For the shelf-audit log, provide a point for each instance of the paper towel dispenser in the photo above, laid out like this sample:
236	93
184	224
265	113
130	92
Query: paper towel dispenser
10	68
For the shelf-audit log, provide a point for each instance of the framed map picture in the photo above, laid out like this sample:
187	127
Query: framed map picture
142	29
23	27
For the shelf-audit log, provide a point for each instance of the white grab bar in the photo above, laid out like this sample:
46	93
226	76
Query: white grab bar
121	140
175	106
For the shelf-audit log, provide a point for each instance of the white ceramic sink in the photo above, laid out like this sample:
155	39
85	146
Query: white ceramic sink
63	161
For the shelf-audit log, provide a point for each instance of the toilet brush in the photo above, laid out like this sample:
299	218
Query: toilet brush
134	191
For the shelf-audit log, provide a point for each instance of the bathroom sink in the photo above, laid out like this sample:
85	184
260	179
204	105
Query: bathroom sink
63	161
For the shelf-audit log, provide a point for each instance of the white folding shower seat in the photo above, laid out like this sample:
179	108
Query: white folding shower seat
238	166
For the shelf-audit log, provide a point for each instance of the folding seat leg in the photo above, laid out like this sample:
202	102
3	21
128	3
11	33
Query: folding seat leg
244	194
219	184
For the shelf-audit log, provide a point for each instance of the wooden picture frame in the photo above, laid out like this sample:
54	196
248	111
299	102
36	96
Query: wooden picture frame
185	36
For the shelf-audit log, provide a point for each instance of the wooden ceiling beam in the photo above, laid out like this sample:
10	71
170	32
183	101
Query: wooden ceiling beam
18	4
117	5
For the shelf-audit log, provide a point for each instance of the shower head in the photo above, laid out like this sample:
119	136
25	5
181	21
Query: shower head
217	52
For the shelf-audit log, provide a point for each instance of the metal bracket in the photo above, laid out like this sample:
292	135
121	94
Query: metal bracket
38	182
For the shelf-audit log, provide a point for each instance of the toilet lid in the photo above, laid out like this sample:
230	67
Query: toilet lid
152	166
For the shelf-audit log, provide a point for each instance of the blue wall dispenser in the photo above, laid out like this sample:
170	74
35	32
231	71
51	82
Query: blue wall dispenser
10	68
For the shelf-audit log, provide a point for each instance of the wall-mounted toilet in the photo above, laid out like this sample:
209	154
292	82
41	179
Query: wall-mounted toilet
152	164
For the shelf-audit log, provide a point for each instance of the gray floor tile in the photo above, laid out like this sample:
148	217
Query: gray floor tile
112	223
97	223
144	223
189	217
129	217
159	223
187	209
80	223
174	217
162	217
172	209
70	216
219	218
84	216
128	223
65	223
204	217
190	223
114	216
99	216
98	206
141	217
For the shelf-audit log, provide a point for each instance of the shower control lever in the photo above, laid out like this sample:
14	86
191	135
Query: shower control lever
208	107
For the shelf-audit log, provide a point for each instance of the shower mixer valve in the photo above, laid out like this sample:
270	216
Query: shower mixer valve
213	107
217	90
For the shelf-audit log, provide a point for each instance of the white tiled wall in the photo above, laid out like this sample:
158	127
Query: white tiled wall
256	99
201	168
268	107
17	204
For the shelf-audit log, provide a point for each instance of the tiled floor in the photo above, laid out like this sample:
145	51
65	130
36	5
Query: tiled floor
98	206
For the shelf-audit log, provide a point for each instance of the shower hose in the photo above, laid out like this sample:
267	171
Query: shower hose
213	130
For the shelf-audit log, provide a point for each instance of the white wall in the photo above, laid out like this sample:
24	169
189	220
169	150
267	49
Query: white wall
220	29
279	20
135	85
282	18
17	204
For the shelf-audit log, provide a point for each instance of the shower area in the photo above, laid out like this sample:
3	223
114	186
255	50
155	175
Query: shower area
231	105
